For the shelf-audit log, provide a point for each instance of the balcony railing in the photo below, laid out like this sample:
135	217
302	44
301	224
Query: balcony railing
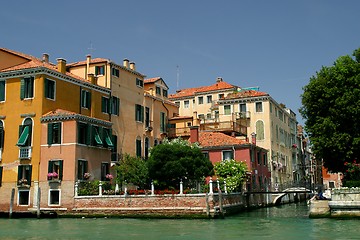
223	126
179	132
25	152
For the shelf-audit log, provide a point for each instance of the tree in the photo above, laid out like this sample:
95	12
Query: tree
233	172
177	159
331	109
132	170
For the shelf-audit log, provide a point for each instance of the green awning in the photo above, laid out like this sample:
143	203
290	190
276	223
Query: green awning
24	136
98	138
108	140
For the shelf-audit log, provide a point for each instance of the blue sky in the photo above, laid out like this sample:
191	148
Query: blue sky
275	45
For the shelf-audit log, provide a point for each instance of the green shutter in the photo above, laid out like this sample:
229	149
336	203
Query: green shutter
97	137
142	114
22	88
1	171
50	133
28	176
31	87
60	169
108	140
2	91
103	103
88	134
79	175
24	136
20	170
50	166
2	133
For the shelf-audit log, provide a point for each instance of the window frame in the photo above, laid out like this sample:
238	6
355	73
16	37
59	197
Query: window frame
165	93
105	104
52	131
115	72
200	100
50	92
259	107
139	113
158	90
209	99
84	169
2	90
186	104
27	88
100	70
227	111
138	147
105	169
139	82
24	172
223	155
162	122
115	105
50	197
56	165
85	99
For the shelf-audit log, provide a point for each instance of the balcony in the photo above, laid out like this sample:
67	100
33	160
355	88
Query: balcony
226	126
179	132
25	152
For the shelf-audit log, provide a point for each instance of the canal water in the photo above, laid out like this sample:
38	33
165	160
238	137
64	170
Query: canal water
283	222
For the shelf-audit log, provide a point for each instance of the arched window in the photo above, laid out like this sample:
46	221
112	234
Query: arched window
146	148
260	135
138	147
25	131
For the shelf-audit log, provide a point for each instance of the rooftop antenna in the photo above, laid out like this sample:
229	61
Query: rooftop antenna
91	48
177	77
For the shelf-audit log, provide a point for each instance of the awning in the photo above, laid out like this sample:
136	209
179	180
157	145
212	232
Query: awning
108	140
98	138
23	136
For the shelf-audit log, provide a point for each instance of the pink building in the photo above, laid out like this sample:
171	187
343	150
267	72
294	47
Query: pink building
218	147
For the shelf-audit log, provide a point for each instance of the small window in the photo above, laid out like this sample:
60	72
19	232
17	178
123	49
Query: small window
227	109
114	153
1	173
23	197
54	197
83	173
208	116
115	105
201	116
138	147
54	133
55	170
2	134
258	107
259	158
186	104
83	136
139	113
105	105
221	95
265	159
115	72
165	93
242	107
177	103
85	99
2	91
209	99
162	122
105	171
99	70
27	88
206	155
331	184
158	90
139	82
200	100
227	155
50	89
24	175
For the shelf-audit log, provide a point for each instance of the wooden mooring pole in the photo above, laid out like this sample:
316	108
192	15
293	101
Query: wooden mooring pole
11	202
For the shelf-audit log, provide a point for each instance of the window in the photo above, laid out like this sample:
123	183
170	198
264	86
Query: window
227	109
115	105
258	107
138	147
227	155
209	99
54	197
85	99
97	133
27	88
2	134
206	155
105	170
216	114
200	100
105	105
259	157
147	117
165	93
147	146
201	116
2	91
331	184
177	103
139	82
83	133
242	107
50	89
221	95
82	169
24	197
54	133
115	72
139	113
99	70
114	154
24	175
1	173
55	170
108	138
25	133
186	104
208	116
265	159
271	107
162	122
260	135
158	90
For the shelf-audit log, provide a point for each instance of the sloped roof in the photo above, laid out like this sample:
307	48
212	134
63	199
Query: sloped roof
192	91
152	80
217	139
94	60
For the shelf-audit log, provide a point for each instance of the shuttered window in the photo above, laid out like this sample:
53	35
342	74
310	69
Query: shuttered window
55	169
24	174
139	113
27	88
105	105
2	91
54	133
85	99
50	89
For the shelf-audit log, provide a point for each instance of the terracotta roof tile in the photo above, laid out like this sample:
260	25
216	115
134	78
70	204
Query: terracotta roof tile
245	94
59	112
216	139
93	60
192	91
151	80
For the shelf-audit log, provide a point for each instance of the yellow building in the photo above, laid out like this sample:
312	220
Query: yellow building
242	112
138	108
30	88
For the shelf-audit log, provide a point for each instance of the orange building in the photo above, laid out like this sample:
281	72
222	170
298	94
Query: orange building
36	138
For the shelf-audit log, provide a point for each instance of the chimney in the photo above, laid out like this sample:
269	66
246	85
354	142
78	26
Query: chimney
132	66
219	79
45	58
92	78
194	134
126	63
61	65
195	119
